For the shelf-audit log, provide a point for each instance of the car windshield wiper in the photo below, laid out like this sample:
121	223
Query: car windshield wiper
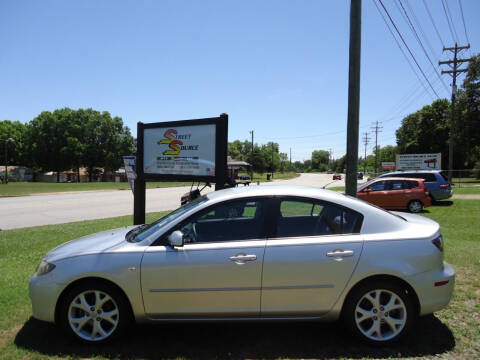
130	236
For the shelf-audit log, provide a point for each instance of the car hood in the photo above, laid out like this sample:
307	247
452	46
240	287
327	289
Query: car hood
90	244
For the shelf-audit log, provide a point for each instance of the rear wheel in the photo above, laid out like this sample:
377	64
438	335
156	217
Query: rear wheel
94	313
415	206
379	313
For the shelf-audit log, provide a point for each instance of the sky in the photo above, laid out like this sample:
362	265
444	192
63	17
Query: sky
277	67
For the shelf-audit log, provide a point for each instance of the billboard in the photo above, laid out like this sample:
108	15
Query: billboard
180	150
419	161
387	165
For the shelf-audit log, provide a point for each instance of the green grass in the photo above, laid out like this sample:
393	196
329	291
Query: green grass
452	333
26	188
467	190
276	176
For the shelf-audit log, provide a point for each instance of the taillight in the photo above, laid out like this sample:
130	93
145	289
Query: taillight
426	190
445	187
438	242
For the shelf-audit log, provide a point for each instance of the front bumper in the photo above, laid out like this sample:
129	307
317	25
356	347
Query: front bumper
431	297
44	293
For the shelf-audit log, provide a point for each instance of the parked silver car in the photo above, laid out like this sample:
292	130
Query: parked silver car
258	253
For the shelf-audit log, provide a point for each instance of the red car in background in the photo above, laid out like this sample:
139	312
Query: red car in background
396	193
337	177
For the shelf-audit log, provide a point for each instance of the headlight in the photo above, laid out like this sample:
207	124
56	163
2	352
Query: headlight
44	267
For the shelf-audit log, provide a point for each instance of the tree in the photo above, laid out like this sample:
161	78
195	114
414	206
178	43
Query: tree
16	149
320	159
47	143
426	131
105	140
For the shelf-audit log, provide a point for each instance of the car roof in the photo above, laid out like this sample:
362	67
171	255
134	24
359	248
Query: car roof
413	171
398	178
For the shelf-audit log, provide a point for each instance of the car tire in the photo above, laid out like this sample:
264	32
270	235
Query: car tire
379	313
415	206
94	312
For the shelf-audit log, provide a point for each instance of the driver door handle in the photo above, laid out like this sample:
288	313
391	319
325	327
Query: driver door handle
340	253
241	258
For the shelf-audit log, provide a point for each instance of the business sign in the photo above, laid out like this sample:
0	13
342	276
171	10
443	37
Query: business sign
387	165
130	170
180	150
194	150
419	161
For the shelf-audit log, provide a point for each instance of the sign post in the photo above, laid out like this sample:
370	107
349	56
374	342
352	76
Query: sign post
183	150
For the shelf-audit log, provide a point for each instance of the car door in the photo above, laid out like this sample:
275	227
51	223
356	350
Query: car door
397	198
309	258
376	194
218	270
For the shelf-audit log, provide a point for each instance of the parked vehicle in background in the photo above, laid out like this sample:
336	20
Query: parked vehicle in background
360	175
435	181
307	253
337	177
396	193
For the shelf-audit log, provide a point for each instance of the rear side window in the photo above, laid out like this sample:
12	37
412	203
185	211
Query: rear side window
411	184
430	177
298	218
396	185
443	175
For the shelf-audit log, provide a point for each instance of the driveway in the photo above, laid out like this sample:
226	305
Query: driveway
34	210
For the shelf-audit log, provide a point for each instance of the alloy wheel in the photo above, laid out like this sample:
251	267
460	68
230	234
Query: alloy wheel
93	315
380	315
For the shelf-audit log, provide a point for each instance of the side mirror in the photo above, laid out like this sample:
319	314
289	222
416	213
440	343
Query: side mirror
175	239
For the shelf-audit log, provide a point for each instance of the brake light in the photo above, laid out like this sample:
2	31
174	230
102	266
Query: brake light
441	283
445	187
438	242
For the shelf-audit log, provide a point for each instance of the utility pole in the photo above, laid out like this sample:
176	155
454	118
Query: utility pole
366	140
329	156
290	156
353	97
251	160
454	72
377	128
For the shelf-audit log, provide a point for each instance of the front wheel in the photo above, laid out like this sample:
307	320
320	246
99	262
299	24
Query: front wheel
379	313
94	313
415	206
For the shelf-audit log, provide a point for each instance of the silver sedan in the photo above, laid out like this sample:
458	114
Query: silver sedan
251	254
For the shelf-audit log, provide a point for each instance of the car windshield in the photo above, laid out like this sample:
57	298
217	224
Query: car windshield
143	231
362	185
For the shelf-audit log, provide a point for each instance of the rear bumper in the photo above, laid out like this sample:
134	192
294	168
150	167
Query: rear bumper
434	297
442	194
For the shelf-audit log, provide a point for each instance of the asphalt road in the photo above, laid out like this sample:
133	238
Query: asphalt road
34	210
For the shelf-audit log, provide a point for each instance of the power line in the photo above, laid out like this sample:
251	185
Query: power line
463	20
433	22
419	26
450	24
400	46
404	42
409	22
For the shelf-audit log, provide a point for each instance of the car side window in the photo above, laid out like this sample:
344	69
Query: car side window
298	218
230	221
411	184
379	186
397	185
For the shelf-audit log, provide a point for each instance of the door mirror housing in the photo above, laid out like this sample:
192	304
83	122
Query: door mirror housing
175	239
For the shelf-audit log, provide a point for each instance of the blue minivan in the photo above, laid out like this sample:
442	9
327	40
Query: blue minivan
435	181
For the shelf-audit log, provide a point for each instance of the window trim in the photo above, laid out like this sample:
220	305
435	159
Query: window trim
162	240
272	235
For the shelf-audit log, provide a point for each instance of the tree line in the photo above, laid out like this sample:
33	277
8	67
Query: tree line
68	139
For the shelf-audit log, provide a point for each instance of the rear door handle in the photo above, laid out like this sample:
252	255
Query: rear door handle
340	253
241	258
